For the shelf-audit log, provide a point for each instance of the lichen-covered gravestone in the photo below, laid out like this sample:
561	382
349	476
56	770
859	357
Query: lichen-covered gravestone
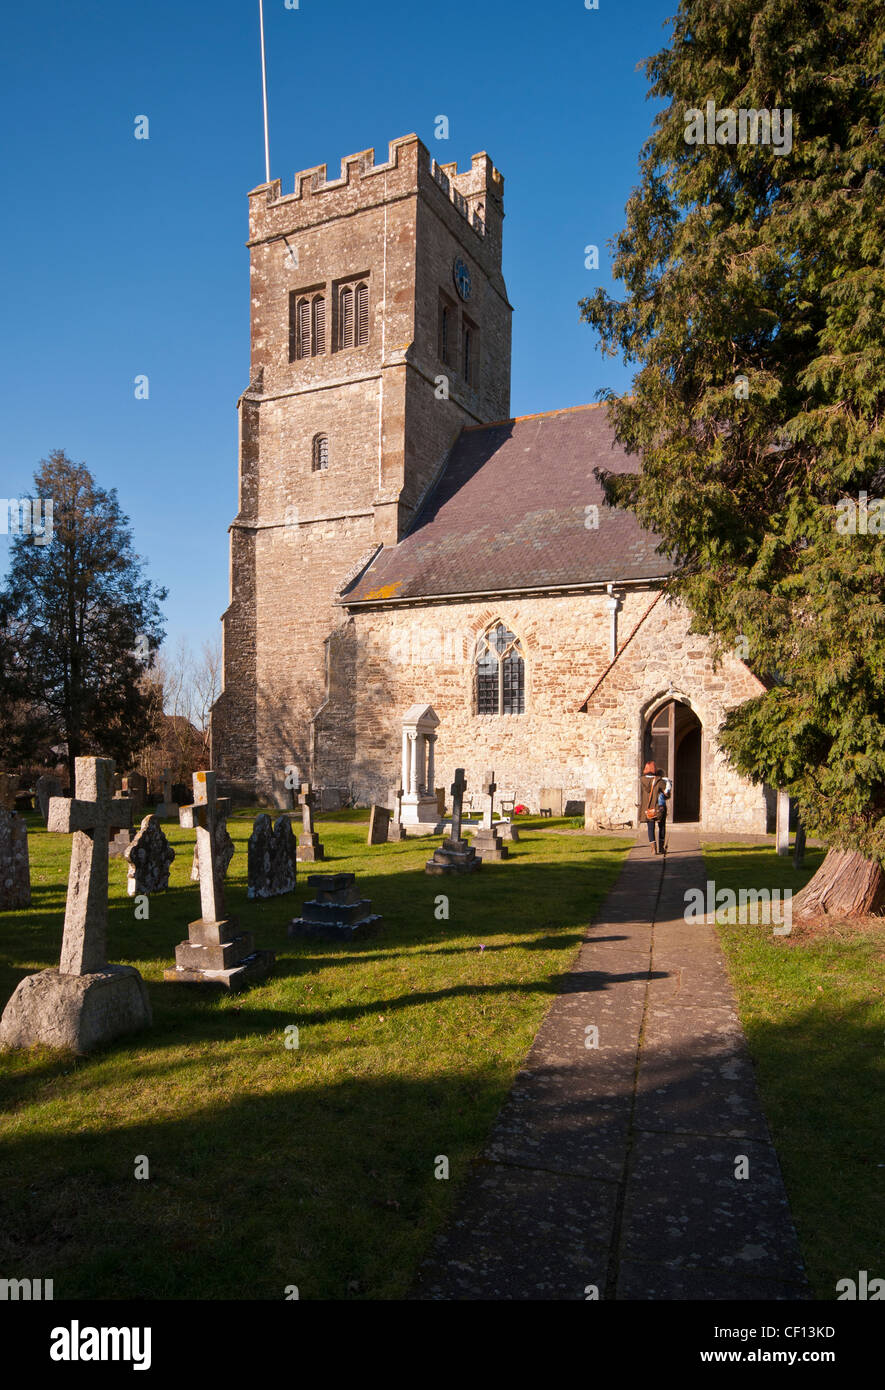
309	845
150	857
379	825
86	1001
271	858
15	871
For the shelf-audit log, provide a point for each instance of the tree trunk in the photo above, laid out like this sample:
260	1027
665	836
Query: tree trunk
845	885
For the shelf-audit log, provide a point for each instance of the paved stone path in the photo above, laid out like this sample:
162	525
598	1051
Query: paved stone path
615	1166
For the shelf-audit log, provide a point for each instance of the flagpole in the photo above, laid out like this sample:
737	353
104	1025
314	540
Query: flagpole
264	92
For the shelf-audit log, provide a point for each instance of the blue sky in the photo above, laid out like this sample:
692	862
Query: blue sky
125	257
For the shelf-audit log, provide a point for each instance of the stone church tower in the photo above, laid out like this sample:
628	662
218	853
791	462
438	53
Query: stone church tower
380	328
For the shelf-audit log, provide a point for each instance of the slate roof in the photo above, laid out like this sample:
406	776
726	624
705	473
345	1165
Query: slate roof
508	514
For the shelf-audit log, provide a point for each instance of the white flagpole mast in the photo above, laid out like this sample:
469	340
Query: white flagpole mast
264	91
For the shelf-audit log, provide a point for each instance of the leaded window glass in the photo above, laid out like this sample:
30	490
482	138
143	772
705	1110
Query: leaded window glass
500	672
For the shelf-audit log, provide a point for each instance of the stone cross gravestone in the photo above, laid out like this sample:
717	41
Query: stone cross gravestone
396	830
455	855
167	806
309	846
15	870
487	840
216	951
224	845
85	1001
135	787
379	825
150	857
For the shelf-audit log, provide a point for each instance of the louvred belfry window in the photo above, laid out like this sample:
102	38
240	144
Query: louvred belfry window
318	345
500	672
362	314
345	318
302	348
320	452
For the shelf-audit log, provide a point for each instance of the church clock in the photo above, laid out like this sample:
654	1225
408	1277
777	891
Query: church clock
461	276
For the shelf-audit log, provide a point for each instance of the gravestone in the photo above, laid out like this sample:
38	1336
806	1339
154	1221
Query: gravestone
135	787
486	840
216	952
224	845
86	1001
379	825
8	791
309	847
15	869
396	830
150	857
455	855
551	800
441	802
119	843
47	787
271	858
336	912
167	806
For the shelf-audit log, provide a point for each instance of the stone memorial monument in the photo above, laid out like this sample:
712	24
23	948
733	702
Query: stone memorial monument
486	840
336	912
419	814
135	787
455	855
224	845
216	952
379	825
150	857
271	858
310	848
86	1001
15	869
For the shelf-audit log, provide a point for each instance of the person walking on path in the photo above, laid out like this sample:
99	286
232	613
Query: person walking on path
656	796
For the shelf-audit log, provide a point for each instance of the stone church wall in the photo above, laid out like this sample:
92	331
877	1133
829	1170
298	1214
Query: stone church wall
425	654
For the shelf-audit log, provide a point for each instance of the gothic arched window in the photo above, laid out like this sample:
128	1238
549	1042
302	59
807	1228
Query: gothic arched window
500	672
320	452
310	326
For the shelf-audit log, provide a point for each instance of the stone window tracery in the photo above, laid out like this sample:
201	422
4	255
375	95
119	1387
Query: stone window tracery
499	672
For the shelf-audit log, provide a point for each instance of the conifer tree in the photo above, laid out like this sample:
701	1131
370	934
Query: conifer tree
755	312
79	625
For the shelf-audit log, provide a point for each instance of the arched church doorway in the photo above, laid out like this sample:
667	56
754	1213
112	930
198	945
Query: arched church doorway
673	741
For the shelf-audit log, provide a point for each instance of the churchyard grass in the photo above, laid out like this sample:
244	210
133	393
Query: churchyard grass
813	1007
272	1166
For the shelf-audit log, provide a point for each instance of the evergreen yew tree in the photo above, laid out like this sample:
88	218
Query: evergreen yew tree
755	310
79	626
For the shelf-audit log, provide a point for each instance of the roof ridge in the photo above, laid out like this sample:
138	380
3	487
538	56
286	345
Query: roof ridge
538	415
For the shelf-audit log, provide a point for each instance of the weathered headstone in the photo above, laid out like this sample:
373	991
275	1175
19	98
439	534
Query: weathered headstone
15	870
336	912
396	830
47	787
486	840
216	951
309	846
441	801
167	806
552	800
150	857
379	825
455	855
224	845
85	1001
271	858
135	787
8	791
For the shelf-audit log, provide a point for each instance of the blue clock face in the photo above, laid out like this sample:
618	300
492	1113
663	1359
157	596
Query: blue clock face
462	278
